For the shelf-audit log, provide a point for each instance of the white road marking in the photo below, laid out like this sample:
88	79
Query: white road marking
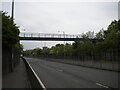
43	86
60	70
102	85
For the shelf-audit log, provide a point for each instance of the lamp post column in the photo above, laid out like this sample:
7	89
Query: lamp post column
11	59
12	15
64	44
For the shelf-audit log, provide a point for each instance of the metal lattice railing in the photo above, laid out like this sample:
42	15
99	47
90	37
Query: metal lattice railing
48	35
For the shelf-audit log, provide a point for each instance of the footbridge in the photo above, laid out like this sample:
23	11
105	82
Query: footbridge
53	37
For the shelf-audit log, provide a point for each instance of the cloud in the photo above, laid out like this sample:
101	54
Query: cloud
62	0
72	18
119	10
50	15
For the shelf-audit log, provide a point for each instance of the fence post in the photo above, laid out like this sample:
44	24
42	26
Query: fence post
39	35
24	34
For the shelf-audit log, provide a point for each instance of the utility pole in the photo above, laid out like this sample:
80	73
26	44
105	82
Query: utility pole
64	44
12	15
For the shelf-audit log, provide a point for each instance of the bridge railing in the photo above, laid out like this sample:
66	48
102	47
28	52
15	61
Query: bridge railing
47	35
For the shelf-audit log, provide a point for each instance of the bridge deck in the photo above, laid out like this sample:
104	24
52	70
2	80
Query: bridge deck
50	39
53	37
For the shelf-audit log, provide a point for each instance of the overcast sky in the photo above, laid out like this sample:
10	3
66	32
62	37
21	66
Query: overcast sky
72	17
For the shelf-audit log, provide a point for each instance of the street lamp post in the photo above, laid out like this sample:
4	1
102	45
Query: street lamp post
12	15
24	32
64	44
58	34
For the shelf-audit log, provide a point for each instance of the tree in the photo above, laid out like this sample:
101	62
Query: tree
100	34
45	50
21	47
10	32
111	37
68	48
88	35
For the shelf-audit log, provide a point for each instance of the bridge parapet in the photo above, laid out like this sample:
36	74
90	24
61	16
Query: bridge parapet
55	37
49	35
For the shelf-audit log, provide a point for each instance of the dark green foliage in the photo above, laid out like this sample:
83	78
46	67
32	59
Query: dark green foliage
58	49
111	37
36	51
100	34
10	32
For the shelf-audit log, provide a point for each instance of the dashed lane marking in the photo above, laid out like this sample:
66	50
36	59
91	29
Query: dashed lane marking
60	70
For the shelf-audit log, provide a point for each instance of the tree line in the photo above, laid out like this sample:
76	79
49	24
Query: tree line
10	32
11	47
107	46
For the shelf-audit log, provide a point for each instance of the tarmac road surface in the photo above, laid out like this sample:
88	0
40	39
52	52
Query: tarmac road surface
60	75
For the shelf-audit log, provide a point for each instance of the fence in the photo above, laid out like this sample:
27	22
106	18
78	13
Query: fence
106	60
10	58
6	60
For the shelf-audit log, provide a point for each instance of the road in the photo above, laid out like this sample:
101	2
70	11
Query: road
59	75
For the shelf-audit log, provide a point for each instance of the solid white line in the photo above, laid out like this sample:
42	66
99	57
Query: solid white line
102	85
43	86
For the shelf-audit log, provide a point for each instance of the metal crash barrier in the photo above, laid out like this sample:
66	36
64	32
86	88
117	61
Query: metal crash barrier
34	79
